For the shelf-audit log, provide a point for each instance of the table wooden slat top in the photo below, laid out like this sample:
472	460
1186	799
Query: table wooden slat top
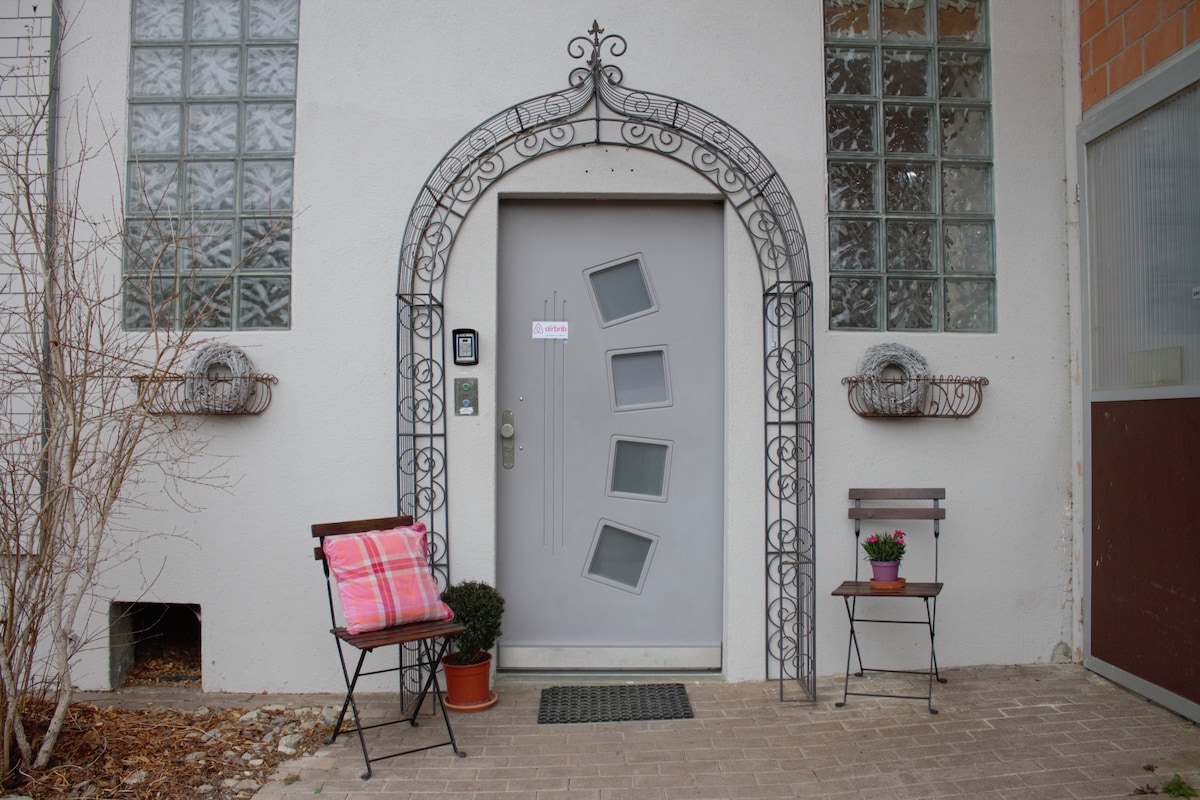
864	589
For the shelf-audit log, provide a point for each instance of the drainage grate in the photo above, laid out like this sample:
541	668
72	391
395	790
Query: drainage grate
562	704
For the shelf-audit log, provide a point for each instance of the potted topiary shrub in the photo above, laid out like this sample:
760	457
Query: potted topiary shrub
468	667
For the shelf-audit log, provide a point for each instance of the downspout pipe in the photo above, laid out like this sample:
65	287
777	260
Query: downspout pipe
50	227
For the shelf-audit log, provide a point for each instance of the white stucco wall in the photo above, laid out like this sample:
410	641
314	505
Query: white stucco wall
385	88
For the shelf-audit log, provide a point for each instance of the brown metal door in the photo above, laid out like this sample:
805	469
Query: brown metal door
1145	594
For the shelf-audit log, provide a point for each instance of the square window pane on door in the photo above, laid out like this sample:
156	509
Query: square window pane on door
639	469
620	557
639	379
620	290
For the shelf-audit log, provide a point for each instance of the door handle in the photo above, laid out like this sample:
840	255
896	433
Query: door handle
507	433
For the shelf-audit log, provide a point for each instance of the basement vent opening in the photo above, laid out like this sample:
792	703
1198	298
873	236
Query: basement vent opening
154	644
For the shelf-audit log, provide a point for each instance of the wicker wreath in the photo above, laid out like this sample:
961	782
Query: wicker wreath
891	397
219	394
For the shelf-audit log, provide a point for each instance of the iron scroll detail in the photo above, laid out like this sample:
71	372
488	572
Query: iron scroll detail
596	108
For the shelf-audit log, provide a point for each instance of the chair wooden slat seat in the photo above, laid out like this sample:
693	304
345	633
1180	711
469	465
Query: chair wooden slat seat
865	589
400	634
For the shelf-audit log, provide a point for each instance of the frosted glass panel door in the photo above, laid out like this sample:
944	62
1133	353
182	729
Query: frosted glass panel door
1144	237
611	516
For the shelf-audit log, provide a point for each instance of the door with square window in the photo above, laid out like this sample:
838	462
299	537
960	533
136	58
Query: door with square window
611	443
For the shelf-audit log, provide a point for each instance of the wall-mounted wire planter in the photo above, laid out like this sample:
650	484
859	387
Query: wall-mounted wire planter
177	394
940	396
219	380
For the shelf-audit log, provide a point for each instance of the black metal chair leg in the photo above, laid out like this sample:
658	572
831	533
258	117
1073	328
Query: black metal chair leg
932	630
358	726
434	658
348	703
850	648
854	640
932	658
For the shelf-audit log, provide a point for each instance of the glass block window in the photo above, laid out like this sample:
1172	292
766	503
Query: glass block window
211	135
908	137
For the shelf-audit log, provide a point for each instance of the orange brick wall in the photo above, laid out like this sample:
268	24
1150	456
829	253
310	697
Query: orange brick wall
1120	40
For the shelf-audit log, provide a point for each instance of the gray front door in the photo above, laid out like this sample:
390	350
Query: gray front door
611	449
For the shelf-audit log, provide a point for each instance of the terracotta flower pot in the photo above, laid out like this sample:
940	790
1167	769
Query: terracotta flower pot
468	685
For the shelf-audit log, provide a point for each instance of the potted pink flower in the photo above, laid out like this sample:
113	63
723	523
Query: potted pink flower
885	551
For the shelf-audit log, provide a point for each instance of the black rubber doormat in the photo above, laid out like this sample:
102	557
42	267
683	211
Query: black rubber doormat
623	703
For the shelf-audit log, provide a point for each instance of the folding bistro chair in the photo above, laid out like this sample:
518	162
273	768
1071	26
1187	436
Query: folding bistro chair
927	507
380	571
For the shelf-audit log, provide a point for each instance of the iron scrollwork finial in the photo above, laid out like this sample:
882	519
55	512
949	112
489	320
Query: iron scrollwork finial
595	32
590	47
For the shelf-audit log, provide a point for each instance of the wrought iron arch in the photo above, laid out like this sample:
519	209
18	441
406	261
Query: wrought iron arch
596	109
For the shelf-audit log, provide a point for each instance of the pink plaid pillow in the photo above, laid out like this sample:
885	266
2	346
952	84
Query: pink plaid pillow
383	578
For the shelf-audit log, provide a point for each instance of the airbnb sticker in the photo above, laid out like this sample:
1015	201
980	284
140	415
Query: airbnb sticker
549	330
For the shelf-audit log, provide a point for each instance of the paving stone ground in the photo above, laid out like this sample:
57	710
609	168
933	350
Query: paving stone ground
1052	732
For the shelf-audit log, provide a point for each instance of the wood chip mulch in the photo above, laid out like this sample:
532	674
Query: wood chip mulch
161	753
165	662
